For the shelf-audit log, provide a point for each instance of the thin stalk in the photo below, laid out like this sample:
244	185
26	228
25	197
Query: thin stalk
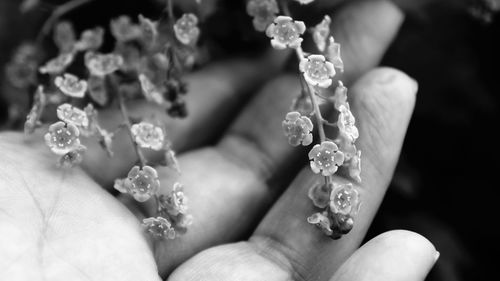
126	119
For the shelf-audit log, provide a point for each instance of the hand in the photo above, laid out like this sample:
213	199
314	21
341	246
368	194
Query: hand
61	225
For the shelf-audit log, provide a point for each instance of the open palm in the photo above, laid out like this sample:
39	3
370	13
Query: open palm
62	225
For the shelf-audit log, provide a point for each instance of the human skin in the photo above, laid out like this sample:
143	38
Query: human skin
249	203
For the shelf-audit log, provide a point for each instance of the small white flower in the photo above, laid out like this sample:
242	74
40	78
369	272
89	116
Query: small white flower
58	64
71	86
285	32
101	64
148	135
70	114
62	138
186	29
317	71
263	13
344	199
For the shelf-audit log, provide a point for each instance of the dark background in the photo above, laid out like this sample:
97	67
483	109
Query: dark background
446	182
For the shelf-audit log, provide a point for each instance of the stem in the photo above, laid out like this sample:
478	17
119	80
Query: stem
124	111
170	11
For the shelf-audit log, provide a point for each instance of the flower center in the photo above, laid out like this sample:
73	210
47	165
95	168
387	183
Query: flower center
324	158
343	199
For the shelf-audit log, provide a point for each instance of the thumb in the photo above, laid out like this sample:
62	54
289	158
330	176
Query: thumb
391	256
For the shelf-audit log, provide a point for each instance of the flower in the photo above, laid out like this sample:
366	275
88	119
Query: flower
186	29
344	199
317	71
72	158
298	129
102	64
326	158
149	28
64	36
176	202
140	183
97	89
285	32
70	114
58	64
148	135
71	86
321	32
91	39
322	221
320	194
124	30
346	123
263	12
150	90
159	227
171	161
333	54
33	117
339	98
355	166
21	70
62	138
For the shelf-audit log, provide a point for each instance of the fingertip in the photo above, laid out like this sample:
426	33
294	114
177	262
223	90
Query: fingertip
393	255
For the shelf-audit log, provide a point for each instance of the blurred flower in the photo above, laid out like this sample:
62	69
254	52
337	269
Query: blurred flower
317	71
102	64
322	221
97	89
340	96
21	70
71	86
90	40
124	30
150	90
147	135
58	64
64	37
320	194
285	32
346	123
62	138
333	54
140	183
321	32
159	227
171	161
149	29
355	166
263	12
186	29
298	129
72	158
344	199
326	158
70	114
176	202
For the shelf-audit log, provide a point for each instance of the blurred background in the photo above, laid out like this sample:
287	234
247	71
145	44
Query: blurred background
444	186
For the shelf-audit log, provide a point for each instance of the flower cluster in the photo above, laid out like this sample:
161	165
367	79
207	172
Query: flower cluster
148	62
339	202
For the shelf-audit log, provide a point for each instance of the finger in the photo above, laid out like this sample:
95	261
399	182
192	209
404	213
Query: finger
383	101
215	94
377	259
236	181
